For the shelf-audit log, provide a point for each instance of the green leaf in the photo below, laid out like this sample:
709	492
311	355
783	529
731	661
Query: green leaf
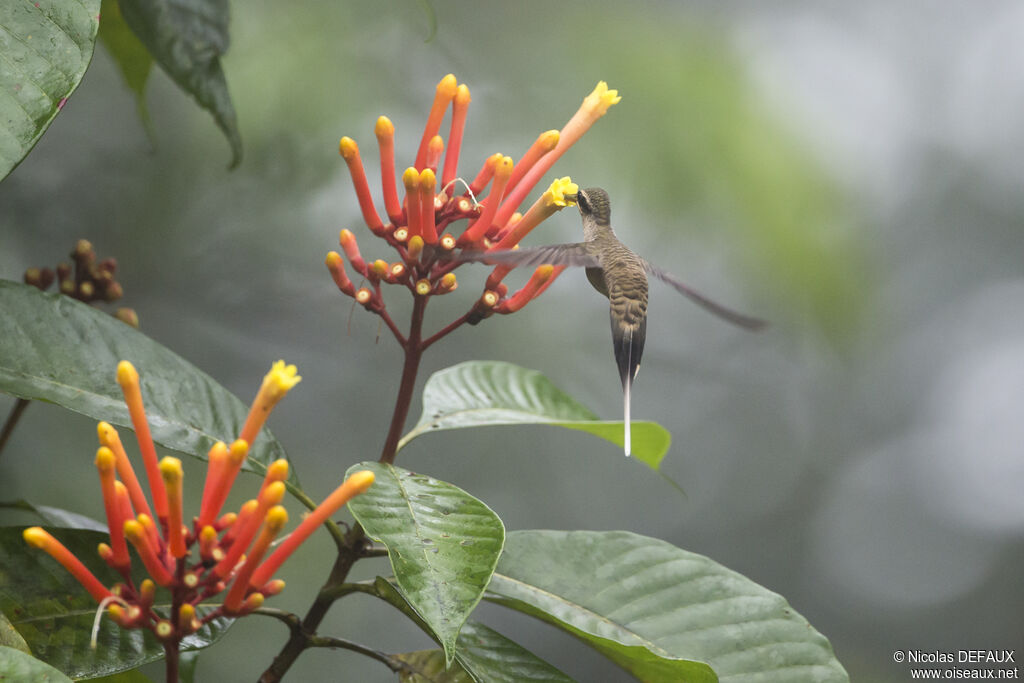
9	636
54	614
130	676
428	666
46	47
492	658
485	393
52	516
16	665
187	38
131	56
56	349
659	611
442	542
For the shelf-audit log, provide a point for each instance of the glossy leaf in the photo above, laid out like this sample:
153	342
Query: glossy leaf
187	39
484	654
46	48
486	393
131	56
428	666
9	636
660	612
52	516
55	349
54	614
16	665
442	542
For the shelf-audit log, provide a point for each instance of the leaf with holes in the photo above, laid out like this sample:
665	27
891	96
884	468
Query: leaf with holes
46	47
56	349
442	542
486	393
54	614
660	612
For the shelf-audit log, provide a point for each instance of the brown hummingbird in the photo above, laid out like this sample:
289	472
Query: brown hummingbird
619	274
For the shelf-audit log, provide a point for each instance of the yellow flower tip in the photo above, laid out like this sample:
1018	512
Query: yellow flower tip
281	378
254	601
428	180
448	281
384	127
105	432
348	148
548	140
105	459
170	469
555	194
133	530
273	587
345	236
208	534
410	178
503	169
423	287
273	493
277	517
601	98
36	537
448	86
105	552
239	449
186	613
360	481
333	259
127	375
462	97
277	470
544	273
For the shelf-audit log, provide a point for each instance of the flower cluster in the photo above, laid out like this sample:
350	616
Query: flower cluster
217	552
88	280
418	224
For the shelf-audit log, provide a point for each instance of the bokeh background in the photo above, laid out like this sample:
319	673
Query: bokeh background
850	171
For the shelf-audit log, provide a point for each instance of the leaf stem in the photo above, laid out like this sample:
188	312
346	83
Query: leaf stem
12	421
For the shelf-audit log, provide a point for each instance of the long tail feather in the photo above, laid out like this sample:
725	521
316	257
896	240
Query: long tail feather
626	386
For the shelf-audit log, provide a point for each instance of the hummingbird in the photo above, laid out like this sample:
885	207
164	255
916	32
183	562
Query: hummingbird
621	276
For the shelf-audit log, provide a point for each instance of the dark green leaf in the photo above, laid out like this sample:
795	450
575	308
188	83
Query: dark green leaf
428	666
55	614
16	665
56	349
492	658
442	542
659	611
187	38
51	516
131	56
130	676
46	47
9	636
485	393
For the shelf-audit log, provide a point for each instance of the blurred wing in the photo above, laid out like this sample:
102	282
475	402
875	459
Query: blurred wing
555	254
704	302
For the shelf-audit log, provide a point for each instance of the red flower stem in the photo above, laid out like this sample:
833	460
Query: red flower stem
413	352
450	327
386	317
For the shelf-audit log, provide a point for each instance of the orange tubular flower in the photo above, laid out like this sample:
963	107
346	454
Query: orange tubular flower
128	378
594	107
434	151
528	292
413	207
216	465
486	173
108	437
445	94
544	144
459	108
336	265
170	469
268	498
105	464
276	518
479	228
427	184
385	131
352	487
135	531
350	152
37	537
276	385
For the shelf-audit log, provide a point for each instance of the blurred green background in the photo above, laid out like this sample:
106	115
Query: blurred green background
849	171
